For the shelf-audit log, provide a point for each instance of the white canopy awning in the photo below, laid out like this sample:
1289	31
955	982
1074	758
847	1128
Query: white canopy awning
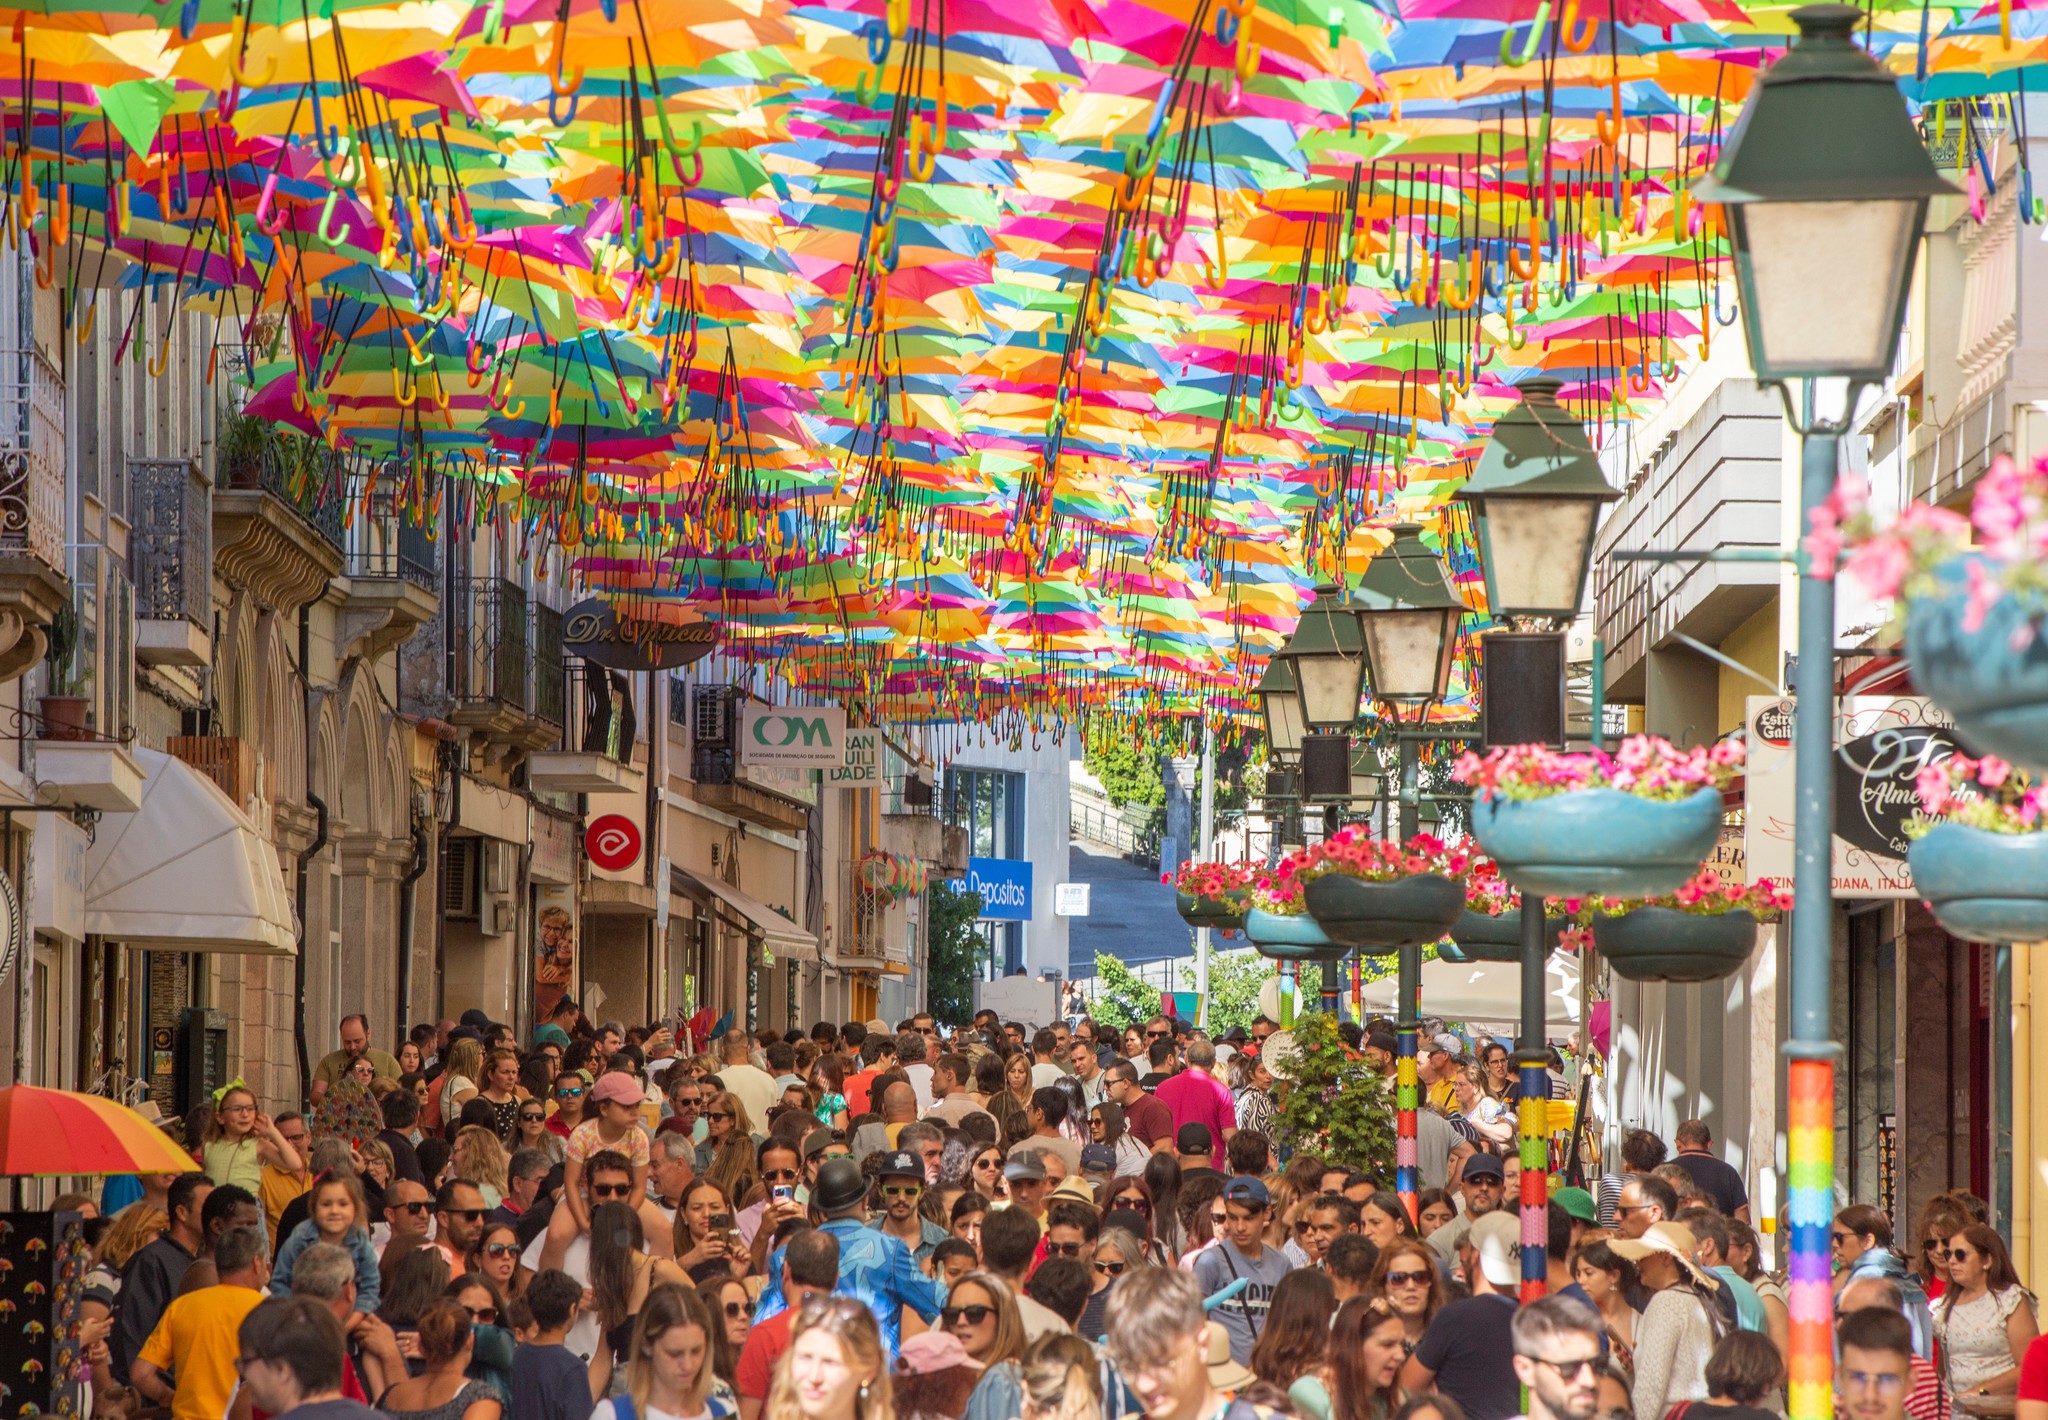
187	871
1488	993
778	934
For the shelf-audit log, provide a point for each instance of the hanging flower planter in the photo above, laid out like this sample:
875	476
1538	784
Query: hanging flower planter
1635	823
1979	855
1478	936
1213	894
1987	665
1280	937
1703	932
1670	944
1378	896
1974	617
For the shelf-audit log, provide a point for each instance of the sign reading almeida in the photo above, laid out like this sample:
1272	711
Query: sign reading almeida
793	736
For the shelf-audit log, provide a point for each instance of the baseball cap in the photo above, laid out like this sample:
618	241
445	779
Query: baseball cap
617	1087
1577	1203
1193	1139
934	1351
901	1164
548	1033
1496	1239
1484	1166
1448	1044
1024	1168
1249	1191
817	1142
1098	1158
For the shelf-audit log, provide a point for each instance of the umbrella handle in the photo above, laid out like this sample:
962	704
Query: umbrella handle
1508	56
266	205
561	120
1576	40
494	21
329	239
238	53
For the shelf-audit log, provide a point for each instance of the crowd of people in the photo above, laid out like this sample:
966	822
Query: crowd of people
1057	1222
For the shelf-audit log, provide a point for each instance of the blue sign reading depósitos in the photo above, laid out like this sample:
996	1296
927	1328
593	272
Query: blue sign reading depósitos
1004	885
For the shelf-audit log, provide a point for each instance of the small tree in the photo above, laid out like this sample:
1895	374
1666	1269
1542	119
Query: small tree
1122	998
1331	1103
954	953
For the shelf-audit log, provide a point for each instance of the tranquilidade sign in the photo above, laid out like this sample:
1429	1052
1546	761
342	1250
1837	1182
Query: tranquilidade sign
592	629
793	736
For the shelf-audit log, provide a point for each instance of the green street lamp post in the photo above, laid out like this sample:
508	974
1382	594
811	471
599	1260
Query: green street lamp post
1826	187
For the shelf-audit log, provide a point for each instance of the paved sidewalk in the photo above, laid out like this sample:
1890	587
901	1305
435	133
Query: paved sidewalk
1131	914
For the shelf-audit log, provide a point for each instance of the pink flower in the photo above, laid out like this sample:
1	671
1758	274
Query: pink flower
1880	566
1992	771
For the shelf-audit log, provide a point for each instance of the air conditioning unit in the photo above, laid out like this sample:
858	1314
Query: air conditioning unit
498	917
459	877
714	716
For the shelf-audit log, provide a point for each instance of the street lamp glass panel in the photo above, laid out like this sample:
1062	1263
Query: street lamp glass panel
1536	553
1330	686
1410	652
1825	281
1283	720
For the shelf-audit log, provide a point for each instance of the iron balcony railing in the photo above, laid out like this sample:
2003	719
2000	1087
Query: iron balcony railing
31	458
304	475
387	545
172	540
489	643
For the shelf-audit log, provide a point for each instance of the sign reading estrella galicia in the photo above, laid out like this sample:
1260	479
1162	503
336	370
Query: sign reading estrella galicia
1004	885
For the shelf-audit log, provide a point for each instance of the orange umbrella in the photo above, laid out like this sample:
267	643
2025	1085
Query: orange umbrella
47	1133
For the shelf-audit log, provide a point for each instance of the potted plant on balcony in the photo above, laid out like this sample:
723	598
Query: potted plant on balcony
1277	921
1212	894
63	712
1979	854
1702	932
1490	927
1636	823
1380	896
238	450
1972	615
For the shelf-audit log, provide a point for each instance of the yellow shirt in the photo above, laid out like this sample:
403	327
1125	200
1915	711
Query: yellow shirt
278	1190
196	1339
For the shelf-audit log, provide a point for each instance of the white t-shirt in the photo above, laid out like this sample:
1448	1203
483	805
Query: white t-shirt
755	1089
920	1076
1043	1075
586	1333
1039	1320
607	1411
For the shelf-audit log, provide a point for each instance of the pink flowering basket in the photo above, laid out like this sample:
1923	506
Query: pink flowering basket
1980	850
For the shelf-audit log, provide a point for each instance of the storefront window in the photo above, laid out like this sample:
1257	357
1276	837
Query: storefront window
989	804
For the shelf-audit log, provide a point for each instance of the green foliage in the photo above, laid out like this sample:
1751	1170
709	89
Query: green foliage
1122	998
955	952
1331	1105
1234	984
1127	769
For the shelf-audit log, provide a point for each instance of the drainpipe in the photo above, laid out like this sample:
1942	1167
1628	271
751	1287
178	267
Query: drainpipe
315	848
407	901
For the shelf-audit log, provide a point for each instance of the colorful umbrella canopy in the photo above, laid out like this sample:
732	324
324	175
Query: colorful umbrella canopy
50	1133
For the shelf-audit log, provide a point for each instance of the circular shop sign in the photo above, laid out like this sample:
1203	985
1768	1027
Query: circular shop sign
612	842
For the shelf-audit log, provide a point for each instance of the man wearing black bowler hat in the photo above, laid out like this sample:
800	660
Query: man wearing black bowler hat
875	1268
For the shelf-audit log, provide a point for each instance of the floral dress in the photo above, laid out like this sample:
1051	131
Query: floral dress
1974	1345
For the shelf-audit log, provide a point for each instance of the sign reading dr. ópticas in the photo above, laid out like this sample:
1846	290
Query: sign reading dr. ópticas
1004	885
592	629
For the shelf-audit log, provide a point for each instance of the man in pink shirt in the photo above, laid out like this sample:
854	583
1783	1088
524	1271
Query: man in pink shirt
1196	1096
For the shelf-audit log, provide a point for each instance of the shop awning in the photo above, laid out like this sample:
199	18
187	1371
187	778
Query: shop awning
187	871
778	934
1488	993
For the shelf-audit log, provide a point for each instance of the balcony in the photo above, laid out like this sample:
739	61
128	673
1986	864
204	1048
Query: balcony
226	760
277	519
596	755
494	674
33	587
392	588
172	547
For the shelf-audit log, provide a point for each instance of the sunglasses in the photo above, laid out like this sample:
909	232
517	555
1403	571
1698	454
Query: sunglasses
1566	1370
414	1208
1133	1202
1219	1219
1109	1269
531	1118
1157	1034
902	1190
611	1190
1407	1279
1838	1237
573	1092
714	1115
736	1310
779	1175
501	1249
973	1316
1065	1249
484	1316
1301	1227
990	1163
470	1215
